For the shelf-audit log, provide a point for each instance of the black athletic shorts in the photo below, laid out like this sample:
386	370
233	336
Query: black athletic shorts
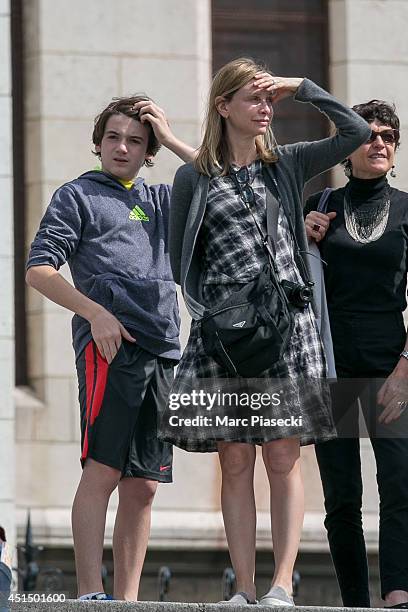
119	405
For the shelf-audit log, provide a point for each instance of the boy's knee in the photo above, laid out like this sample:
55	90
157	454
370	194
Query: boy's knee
99	476
147	491
138	491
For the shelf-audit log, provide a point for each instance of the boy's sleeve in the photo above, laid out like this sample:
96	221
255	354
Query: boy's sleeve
59	232
164	196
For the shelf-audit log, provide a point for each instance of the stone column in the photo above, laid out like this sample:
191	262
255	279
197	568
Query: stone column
368	59
7	450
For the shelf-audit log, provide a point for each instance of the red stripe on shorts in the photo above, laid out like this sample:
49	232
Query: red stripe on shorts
90	380
102	367
96	373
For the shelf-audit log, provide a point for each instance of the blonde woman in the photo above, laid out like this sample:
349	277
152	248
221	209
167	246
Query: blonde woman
215	248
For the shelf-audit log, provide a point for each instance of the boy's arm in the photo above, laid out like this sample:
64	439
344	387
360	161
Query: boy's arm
149	111
55	242
106	330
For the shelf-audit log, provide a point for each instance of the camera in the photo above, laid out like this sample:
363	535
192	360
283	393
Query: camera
297	294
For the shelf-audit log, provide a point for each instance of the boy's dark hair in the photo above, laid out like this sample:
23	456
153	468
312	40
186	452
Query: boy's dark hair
124	106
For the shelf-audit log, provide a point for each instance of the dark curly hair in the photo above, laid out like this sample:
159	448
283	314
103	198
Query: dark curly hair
124	106
384	112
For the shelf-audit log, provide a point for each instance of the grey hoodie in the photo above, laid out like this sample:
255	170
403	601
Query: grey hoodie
117	254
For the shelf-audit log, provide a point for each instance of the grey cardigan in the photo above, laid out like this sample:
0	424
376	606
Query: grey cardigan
297	164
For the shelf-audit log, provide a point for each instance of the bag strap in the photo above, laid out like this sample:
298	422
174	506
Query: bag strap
227	361
324	200
265	238
272	217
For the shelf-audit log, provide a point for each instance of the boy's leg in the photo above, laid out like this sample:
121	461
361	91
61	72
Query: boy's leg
88	523
111	397
100	474
131	534
149	461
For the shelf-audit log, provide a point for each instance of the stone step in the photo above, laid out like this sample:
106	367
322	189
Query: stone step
73	605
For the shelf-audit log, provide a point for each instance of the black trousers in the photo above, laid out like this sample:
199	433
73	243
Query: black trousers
366	348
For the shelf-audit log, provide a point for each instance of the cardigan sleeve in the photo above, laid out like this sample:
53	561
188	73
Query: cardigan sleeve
181	195
351	131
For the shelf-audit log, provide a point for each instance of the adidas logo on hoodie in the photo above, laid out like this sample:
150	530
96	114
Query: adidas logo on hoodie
137	214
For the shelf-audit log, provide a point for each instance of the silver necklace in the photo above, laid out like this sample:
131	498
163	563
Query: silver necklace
367	223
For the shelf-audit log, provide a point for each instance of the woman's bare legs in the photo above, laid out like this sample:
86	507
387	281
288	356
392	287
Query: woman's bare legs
282	463
238	508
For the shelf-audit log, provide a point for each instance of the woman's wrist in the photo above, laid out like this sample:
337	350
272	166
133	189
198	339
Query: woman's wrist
402	364
297	83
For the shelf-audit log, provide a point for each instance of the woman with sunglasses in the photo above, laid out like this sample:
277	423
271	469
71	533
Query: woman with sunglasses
218	203
363	239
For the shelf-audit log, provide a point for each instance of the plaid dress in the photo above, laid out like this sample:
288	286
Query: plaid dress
233	254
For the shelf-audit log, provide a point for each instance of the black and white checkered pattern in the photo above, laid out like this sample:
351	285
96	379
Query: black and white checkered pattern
233	254
230	243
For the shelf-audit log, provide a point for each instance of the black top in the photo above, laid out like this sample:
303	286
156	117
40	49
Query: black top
365	277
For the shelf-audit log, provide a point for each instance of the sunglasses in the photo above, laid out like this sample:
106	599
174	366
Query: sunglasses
390	136
245	190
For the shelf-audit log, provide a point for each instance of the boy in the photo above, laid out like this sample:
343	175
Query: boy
112	231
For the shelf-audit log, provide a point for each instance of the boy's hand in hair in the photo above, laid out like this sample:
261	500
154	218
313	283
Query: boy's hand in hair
149	111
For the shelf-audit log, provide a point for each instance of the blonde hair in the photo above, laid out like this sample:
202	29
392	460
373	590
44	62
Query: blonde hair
214	154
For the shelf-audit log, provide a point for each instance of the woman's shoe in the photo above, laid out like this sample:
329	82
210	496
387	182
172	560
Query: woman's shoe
277	596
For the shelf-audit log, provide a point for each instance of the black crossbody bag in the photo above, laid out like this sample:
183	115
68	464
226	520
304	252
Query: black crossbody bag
250	330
